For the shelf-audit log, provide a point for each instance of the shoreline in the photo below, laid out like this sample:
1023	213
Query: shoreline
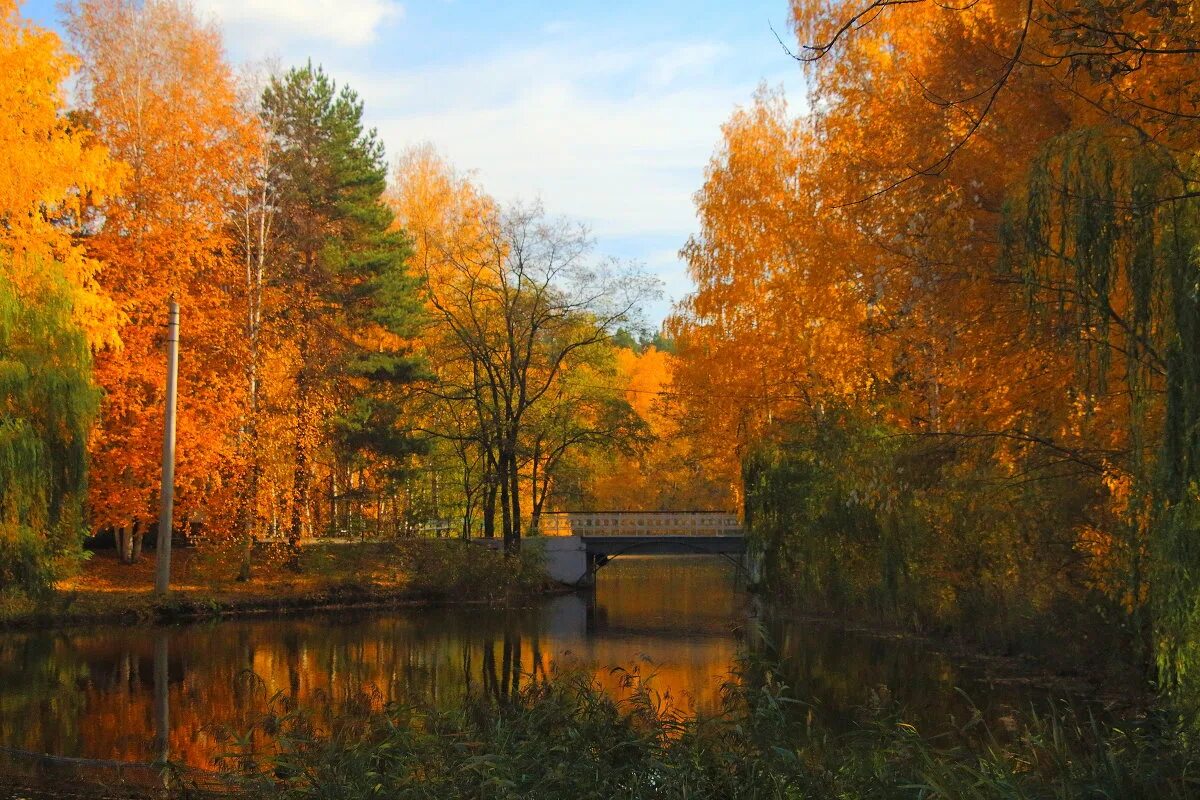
371	575
182	609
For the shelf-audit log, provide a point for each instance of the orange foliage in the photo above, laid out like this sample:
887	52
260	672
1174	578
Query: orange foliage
853	257
160	96
671	472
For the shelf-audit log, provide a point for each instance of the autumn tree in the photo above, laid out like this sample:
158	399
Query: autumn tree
55	174
251	221
525	306
668	469
49	405
444	213
156	89
901	300
585	415
52	309
1080	120
520	321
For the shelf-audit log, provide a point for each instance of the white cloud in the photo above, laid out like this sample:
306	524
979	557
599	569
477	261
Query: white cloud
544	122
605	131
618	139
345	23
626	168
679	61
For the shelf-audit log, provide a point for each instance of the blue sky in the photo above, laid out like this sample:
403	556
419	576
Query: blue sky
607	112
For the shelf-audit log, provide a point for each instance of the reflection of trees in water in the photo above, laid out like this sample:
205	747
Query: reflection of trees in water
122	694
655	594
500	683
847	675
51	703
104	693
520	658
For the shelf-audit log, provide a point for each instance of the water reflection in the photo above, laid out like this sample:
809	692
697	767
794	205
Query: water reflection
144	694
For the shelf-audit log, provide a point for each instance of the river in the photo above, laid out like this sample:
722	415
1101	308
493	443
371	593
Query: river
111	692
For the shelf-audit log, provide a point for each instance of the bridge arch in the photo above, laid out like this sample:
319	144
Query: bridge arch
598	560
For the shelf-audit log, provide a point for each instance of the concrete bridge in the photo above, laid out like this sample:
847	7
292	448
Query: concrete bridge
579	543
640	523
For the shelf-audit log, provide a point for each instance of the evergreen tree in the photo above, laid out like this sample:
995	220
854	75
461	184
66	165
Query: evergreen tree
353	306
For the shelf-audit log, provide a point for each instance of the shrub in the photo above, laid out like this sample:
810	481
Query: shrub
452	568
25	562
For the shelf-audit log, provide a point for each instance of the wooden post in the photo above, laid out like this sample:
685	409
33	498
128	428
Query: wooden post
162	581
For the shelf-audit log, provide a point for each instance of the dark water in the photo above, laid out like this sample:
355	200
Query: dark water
112	692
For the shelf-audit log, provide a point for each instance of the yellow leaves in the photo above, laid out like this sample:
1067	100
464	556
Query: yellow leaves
52	174
648	376
444	213
851	257
672	471
778	316
1108	557
1120	486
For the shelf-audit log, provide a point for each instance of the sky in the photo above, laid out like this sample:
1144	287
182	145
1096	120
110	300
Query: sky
606	112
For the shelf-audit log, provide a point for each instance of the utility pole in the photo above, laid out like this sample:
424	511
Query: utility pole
166	505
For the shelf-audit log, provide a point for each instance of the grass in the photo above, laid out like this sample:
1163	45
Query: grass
203	584
565	738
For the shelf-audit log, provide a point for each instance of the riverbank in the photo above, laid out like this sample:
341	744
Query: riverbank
356	575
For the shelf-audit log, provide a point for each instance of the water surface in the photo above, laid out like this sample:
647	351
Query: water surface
134	693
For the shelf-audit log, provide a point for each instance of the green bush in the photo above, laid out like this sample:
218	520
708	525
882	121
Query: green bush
857	518
25	562
452	568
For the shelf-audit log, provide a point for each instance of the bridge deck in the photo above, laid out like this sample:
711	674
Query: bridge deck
640	523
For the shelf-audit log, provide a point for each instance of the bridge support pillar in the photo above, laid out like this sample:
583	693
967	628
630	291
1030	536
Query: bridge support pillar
566	559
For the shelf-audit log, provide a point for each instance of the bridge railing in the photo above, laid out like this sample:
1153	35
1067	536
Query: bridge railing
640	523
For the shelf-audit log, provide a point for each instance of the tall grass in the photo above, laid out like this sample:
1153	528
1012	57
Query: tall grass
563	737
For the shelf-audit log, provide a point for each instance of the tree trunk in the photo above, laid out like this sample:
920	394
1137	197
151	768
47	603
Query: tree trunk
536	514
505	503
300	474
489	510
535	521
299	496
334	530
139	533
433	496
468	510
248	512
513	544
124	541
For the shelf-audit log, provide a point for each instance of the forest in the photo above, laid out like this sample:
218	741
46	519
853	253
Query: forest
370	348
941	352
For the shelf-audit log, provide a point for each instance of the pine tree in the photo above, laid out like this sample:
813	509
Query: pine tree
353	306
